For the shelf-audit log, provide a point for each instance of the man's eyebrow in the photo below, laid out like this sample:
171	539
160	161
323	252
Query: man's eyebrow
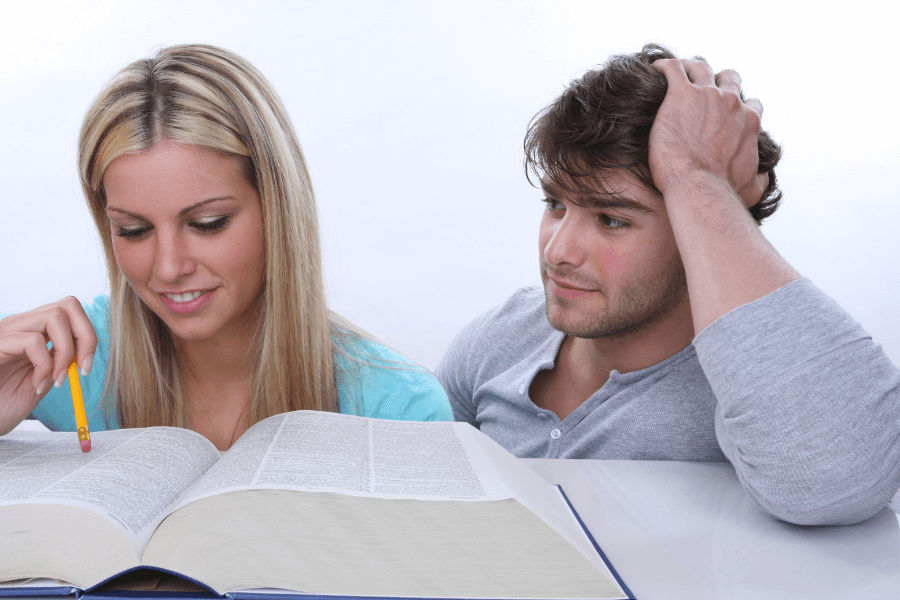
181	213
597	199
613	201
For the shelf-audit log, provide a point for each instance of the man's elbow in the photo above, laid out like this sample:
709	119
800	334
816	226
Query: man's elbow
806	505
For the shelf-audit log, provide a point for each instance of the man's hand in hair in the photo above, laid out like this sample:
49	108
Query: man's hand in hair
704	131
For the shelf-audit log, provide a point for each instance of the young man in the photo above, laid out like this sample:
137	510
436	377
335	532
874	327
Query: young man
668	328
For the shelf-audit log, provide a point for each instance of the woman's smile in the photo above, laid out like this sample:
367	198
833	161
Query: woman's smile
187	232
187	302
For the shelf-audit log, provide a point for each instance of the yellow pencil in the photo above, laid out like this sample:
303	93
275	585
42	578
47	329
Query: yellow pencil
84	436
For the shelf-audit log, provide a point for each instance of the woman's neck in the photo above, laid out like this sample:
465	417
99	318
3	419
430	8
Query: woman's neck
218	377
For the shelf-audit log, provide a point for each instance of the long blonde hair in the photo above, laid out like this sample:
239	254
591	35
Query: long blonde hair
206	96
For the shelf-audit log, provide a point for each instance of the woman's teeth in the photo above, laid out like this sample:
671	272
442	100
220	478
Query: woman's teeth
183	297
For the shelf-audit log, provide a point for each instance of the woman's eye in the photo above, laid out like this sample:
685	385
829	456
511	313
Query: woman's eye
612	222
210	225
132	233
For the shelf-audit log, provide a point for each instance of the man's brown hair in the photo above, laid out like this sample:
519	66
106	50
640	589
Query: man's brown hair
602	122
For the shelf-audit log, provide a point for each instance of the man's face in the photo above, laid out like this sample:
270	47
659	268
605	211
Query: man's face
609	262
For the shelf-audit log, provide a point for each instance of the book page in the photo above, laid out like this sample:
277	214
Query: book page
402	505
533	492
132	477
319	451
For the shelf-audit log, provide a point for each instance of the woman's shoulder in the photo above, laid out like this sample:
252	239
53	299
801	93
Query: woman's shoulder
377	381
98	311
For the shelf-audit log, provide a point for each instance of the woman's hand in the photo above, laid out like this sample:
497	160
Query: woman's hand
28	368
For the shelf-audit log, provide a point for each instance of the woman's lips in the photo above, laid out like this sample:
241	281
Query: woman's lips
183	308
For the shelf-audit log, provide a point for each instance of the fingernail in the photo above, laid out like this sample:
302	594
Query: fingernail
86	365
60	379
40	389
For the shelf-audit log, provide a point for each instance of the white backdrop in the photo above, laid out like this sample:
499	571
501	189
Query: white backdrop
412	114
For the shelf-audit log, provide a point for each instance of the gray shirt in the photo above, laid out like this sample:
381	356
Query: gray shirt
789	388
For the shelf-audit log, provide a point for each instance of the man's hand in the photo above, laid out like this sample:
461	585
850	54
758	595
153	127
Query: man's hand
704	132
704	159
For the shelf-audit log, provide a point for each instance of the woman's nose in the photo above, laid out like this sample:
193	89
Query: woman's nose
172	258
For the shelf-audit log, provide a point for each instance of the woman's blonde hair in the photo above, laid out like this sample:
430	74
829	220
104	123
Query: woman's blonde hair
206	96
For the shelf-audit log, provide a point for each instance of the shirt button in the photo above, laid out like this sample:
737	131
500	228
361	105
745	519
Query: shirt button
542	415
522	390
555	434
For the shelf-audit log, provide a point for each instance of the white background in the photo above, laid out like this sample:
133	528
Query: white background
412	115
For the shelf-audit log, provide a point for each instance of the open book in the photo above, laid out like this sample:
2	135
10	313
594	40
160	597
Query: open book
304	502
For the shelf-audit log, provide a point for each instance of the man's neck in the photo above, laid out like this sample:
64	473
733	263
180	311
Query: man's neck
635	350
583	365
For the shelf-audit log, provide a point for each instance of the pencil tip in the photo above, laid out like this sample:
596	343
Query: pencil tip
85	445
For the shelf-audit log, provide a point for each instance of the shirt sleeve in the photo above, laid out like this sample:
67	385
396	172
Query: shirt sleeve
808	407
455	374
374	381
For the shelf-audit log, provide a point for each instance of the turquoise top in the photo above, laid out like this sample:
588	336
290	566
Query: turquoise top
384	386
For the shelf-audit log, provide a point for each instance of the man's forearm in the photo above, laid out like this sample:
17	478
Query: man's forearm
727	259
704	160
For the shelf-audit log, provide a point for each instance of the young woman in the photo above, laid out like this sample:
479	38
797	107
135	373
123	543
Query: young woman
216	316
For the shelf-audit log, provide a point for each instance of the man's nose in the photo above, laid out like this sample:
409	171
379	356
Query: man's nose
566	244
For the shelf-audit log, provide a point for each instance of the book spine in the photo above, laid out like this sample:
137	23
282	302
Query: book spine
599	550
29	592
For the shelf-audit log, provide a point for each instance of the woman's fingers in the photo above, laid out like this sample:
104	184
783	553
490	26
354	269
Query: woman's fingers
36	348
85	336
66	326
72	335
31	346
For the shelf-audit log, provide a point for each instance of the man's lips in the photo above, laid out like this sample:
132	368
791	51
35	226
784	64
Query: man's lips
565	290
569	286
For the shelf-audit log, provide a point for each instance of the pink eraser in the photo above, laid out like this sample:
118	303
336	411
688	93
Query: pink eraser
85	445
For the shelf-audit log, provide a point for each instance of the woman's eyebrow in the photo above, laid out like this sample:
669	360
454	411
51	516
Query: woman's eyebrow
185	211
181	213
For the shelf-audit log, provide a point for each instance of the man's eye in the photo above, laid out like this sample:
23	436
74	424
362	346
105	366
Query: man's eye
132	233
612	222
551	204
211	225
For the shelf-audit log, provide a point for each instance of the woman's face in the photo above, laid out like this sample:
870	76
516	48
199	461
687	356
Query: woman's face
187	231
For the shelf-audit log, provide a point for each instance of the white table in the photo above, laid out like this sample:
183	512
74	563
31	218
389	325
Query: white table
678	530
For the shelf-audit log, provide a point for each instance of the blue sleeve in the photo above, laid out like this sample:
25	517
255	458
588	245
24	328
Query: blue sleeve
374	381
55	410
